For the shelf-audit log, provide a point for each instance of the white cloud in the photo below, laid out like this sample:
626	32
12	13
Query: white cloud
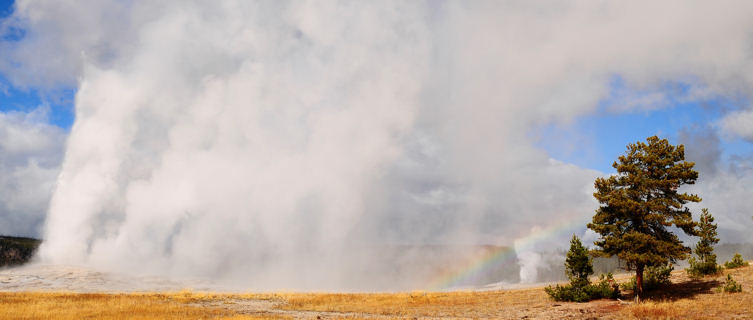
724	185
739	123
30	155
726	197
54	49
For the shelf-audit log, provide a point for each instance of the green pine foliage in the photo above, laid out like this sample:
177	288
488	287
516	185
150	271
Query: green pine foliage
641	202
606	288
704	249
737	261
655	277
568	292
731	285
700	268
578	266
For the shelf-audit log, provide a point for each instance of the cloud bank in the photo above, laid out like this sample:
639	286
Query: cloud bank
30	154
278	143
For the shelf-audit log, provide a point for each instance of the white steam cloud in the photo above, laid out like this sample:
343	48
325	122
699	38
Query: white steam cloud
278	144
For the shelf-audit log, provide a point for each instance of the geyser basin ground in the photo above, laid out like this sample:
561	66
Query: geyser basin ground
374	268
686	300
48	277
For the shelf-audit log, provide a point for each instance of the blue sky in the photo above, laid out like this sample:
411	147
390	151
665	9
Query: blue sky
60	103
5	7
25	100
596	140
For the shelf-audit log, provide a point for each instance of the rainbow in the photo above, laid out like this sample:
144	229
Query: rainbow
484	262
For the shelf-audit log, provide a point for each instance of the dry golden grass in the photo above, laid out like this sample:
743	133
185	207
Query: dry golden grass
196	305
698	299
36	305
685	299
421	304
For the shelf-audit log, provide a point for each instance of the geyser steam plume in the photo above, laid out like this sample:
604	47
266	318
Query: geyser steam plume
237	138
287	144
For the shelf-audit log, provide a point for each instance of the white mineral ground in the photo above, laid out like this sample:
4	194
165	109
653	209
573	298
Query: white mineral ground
46	277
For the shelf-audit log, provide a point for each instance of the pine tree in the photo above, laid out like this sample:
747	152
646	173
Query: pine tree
736	262
704	249
578	265
640	202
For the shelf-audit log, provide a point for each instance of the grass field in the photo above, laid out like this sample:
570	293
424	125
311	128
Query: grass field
684	299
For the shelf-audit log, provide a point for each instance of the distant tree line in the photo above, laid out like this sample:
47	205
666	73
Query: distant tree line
17	250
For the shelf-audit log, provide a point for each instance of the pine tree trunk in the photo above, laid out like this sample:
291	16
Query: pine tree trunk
638	282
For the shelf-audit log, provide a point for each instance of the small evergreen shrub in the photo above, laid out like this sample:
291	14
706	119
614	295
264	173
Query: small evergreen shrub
567	292
704	249
605	288
578	267
731	285
653	277
737	261
699	269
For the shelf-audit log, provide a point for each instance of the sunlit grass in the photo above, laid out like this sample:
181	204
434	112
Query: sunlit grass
198	305
713	304
458	303
36	305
